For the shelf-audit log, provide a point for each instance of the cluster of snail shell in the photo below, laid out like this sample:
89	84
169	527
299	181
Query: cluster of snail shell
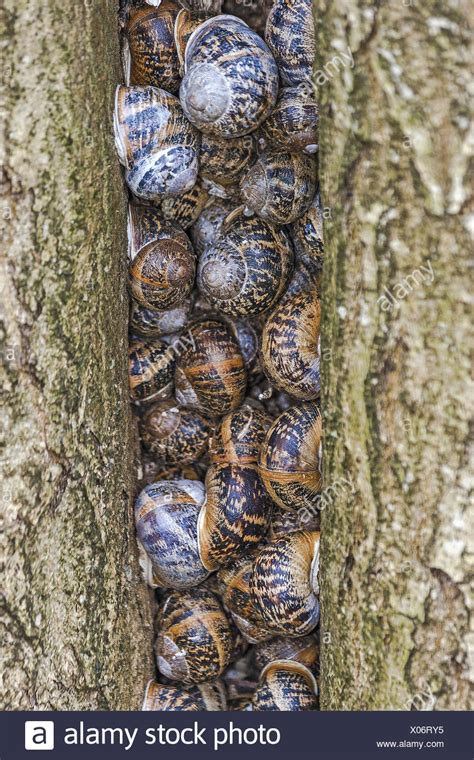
217	130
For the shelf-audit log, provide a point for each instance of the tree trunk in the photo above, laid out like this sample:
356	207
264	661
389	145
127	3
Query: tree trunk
76	622
395	354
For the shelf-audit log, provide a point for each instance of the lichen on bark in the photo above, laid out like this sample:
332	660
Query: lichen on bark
76	624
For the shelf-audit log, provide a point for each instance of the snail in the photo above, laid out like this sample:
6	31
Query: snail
307	235
155	142
150	471
291	339
207	227
285	686
151	45
284	585
174	435
248	340
290	35
166	517
283	521
231	82
159	697
163	264
151	370
223	162
234	585
210	371
293	124
153	324
304	649
280	186
244	272
236	511
196	641
184	210
253	12
290	457
206	7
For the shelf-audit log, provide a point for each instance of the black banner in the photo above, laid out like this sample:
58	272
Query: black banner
164	735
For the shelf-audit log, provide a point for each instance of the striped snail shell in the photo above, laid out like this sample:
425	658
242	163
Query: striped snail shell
210	696
291	339
153	55
253	12
206	7
207	227
290	35
249	342
184	210
293	124
166	516
150	471
163	264
155	142
246	270
210	369
152	324
304	649
186	22
307	235
196	640
151	368
236	512
174	435
280	186
159	697
234	585
283	521
284	583
286	686
224	162
290	458
231	82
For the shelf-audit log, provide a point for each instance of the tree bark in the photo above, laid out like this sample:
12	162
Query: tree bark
394	159
76	621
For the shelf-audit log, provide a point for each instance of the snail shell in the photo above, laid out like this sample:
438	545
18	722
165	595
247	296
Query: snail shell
159	697
207	228
307	235
290	457
206	7
231	81
151	368
290	35
184	210
283	521
155	142
152	324
150	36
196	640
249	340
166	516
284	583
280	186
234	584
173	434
293	124
212	696
150	471
246	270
286	686
304	650
236	512
253	12
210	369
290	343
163	264
225	161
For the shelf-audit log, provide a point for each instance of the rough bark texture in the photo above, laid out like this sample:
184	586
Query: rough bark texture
394	170
76	621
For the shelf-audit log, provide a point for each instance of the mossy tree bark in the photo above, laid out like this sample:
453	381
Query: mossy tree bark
394	158
76	624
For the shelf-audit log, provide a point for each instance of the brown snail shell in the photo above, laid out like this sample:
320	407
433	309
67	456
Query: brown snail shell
291	340
153	324
286	686
155	142
253	12
151	369
159	697
284	584
231	82
210	369
176	436
163	264
280	186
234	584
283	521
293	124
207	227
153	55
205	7
184	210
224	161
151	471
212	696
249	341
246	270
236	512
195	640
304	649
290	457
291	36
307	235
166	516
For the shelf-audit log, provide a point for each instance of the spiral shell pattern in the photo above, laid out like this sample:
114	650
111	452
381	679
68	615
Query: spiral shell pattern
225	161
285	686
151	369
150	35
234	585
152	324
207	228
293	124
307	235
304	649
185	209
174	435
290	35
159	697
